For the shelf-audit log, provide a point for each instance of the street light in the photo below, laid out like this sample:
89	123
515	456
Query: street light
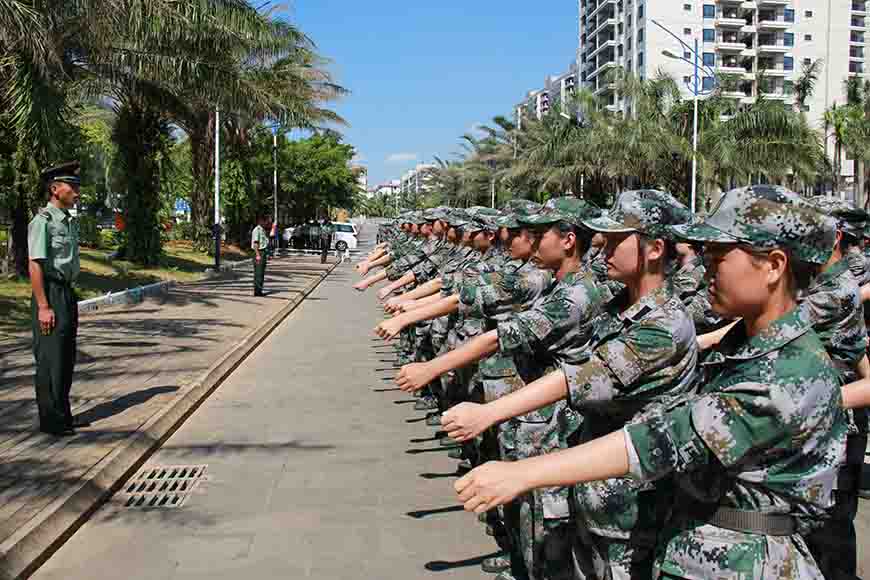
697	92
217	189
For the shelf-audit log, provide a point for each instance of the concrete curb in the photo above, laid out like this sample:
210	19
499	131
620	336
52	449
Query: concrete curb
23	552
140	293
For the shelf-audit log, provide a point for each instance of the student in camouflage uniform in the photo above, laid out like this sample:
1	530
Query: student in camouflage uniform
53	248
754	455
835	310
644	350
556	329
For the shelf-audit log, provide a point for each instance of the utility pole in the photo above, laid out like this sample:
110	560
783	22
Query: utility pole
275	175
217	189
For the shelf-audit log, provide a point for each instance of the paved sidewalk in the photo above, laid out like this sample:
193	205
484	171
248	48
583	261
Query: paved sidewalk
134	364
316	468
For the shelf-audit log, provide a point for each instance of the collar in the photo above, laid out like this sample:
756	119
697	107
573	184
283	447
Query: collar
57	213
737	346
642	307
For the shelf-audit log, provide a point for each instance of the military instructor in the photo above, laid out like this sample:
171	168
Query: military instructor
260	245
53	241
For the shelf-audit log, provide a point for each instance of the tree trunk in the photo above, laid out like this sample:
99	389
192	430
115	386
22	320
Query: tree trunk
201	135
142	135
26	184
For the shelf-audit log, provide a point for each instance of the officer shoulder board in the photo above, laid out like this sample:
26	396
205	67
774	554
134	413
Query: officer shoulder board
45	213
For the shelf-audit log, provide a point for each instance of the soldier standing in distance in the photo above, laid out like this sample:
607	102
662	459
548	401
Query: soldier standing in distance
260	244
53	241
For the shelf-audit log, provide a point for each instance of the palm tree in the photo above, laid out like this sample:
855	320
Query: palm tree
837	120
805	85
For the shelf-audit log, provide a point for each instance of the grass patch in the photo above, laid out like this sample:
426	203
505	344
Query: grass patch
99	275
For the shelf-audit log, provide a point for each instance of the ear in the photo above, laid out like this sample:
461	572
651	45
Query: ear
655	249
569	243
838	237
777	262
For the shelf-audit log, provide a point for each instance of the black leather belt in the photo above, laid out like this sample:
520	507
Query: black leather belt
753	522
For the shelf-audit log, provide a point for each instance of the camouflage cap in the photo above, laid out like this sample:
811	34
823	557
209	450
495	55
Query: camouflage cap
435	213
850	220
458	218
766	217
646	211
570	210
483	218
524	205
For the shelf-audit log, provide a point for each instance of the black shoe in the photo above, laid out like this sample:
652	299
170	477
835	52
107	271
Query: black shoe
496	564
67	432
80	421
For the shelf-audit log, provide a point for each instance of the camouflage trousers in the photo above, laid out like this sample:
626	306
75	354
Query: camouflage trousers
541	549
599	558
406	346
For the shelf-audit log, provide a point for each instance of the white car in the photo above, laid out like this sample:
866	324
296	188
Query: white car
345	237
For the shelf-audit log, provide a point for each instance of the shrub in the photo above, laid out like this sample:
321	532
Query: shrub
89	234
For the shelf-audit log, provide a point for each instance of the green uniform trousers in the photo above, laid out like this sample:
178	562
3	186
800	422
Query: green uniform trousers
259	273
55	355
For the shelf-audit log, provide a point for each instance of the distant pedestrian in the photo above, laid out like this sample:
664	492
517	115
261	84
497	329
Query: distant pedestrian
326	232
260	245
53	241
273	237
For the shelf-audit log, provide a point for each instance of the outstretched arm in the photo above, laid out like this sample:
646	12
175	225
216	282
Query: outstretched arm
496	483
407	278
857	395
415	376
389	329
468	420
421	291
370	281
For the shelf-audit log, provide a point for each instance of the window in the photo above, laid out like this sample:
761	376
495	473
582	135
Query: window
789	15
687	31
808	61
709	59
343	228
808	14
788	39
620	51
687	80
709	11
639	35
707	83
687	55
687	7
709	35
640	12
639	60
788	63
808	37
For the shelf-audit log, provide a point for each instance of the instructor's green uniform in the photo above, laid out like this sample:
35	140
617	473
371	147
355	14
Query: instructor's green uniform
53	240
260	240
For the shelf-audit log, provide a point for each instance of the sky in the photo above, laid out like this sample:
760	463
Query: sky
422	73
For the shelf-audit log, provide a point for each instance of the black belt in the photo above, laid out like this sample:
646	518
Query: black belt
753	522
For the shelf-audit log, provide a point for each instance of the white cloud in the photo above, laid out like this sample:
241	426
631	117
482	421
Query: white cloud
401	157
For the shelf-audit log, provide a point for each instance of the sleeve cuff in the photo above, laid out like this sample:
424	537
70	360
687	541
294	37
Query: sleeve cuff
634	468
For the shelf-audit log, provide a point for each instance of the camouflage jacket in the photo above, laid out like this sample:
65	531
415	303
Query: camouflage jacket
557	328
508	290
436	256
408	256
765	434
857	264
837	315
642	355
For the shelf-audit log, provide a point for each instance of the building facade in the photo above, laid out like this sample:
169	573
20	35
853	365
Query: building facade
735	38
558	89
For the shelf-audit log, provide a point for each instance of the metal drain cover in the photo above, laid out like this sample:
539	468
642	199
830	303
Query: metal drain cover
162	486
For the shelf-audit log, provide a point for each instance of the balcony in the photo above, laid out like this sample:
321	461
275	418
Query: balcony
601	5
733	20
604	89
602	68
601	46
766	3
856	52
860	7
603	25
858	22
773	23
768	46
856	37
731	45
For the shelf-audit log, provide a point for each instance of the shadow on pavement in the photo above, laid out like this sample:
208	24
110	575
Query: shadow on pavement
418	514
121	404
444	565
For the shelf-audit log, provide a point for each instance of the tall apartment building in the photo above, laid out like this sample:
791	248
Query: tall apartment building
417	181
557	89
735	37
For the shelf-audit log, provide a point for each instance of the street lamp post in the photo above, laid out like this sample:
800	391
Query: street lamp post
275	175
217	189
697	92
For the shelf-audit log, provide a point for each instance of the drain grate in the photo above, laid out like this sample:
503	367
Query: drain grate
162	486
